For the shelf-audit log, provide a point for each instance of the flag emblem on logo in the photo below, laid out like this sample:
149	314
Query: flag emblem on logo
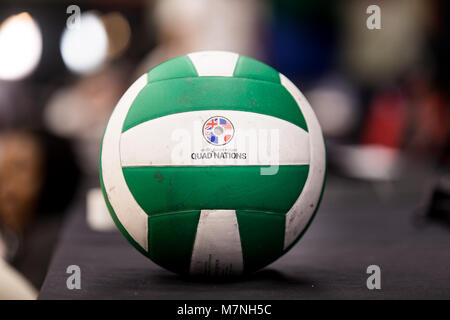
218	130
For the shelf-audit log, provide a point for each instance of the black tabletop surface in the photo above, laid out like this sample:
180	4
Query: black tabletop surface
358	225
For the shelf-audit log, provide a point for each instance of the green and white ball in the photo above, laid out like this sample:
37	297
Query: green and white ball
213	164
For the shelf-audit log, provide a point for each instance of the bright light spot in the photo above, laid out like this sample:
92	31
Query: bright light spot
20	46
84	48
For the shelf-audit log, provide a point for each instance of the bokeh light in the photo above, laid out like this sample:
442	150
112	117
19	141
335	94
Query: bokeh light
84	47
20	46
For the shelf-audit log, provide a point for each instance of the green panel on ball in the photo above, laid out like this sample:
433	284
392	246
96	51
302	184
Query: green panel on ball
173	189
262	237
180	67
167	97
171	239
252	69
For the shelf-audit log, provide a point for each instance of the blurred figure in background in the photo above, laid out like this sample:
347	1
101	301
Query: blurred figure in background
186	26
80	111
38	179
381	56
402	109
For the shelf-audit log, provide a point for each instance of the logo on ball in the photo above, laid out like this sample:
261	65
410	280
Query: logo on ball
218	130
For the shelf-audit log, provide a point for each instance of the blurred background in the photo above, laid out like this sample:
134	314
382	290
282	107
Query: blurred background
381	95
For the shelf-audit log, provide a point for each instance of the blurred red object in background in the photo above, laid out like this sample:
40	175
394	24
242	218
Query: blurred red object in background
387	120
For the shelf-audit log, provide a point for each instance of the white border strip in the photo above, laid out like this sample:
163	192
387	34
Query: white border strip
217	247
177	140
127	210
214	63
299	215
